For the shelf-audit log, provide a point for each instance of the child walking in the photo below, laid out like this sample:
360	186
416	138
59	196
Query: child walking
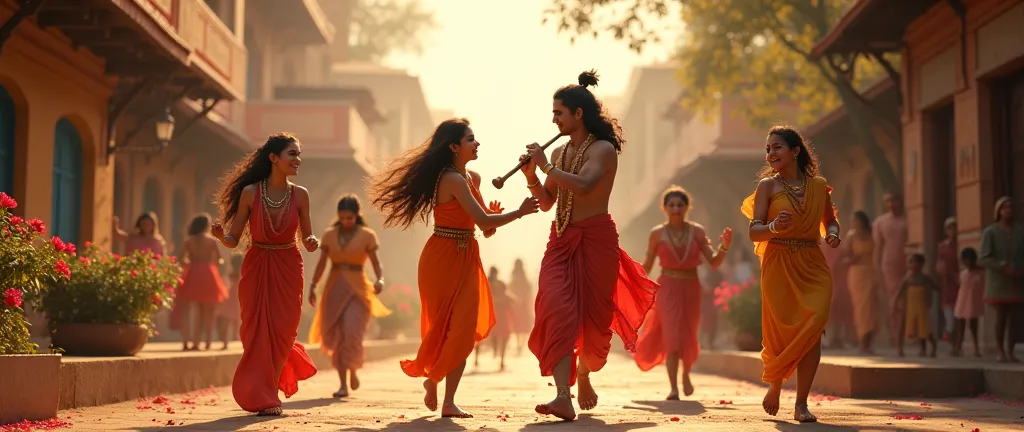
969	301
916	291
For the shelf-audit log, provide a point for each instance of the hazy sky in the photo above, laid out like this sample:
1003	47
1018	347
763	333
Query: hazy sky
497	65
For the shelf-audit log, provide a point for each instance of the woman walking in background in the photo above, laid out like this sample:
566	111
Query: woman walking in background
349	299
790	211
456	305
670	333
861	280
522	290
261	207
144	236
201	284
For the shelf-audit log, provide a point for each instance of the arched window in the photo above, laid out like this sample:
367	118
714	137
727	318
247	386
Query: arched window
67	182
6	142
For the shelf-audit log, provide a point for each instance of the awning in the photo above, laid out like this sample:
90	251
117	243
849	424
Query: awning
872	25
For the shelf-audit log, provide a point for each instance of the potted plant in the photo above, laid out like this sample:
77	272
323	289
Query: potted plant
28	264
105	308
741	305
404	303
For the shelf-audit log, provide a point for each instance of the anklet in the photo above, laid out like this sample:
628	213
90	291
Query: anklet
563	392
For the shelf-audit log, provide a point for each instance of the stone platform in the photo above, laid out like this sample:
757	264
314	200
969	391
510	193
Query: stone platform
162	368
845	374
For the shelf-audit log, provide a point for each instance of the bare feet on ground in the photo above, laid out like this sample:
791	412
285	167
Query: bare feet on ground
687	385
771	399
271	412
803	415
587	398
449	409
341	393
560	406
353	380
430	399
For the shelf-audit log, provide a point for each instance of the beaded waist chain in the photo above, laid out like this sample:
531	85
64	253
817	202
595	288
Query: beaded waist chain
462	235
794	243
346	266
679	274
273	246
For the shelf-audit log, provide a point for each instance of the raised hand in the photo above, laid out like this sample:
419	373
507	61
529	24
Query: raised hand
530	206
726	238
495	207
217	230
537	154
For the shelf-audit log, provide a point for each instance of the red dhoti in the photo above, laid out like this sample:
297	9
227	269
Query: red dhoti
588	289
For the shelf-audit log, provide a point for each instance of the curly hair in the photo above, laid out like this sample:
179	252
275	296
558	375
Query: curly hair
595	117
806	160
406	190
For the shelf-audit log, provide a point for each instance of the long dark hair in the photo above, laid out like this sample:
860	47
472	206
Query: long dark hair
595	118
806	160
199	224
350	202
255	167
863	219
152	217
406	189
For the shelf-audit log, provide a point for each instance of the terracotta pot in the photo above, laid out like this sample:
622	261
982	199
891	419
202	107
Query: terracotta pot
747	342
38	375
99	339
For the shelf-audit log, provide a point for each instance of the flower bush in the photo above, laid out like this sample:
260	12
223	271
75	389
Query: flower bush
404	303
110	289
741	305
28	265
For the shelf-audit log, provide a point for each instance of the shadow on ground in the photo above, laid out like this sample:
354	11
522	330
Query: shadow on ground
682	408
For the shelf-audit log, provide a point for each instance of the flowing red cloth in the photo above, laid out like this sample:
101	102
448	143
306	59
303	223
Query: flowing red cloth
588	289
270	295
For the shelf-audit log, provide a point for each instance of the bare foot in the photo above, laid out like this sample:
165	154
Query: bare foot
353	379
270	412
673	395
560	406
449	409
341	393
587	396
803	415
771	399
687	385
430	399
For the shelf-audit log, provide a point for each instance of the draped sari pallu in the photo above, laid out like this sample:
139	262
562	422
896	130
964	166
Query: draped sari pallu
589	288
270	295
796	284
455	298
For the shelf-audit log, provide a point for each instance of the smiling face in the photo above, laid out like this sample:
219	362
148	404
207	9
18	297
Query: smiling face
676	207
347	218
778	154
288	160
467	149
565	118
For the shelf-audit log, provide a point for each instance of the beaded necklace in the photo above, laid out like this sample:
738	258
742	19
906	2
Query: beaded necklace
563	213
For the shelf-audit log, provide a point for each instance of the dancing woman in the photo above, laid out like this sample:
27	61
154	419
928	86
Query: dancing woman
670	331
260	205
796	285
349	298
457	310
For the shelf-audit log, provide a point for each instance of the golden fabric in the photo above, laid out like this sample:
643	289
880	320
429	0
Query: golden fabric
796	285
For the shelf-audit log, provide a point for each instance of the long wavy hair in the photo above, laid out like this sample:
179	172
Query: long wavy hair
406	190
152	217
254	168
595	117
350	202
806	160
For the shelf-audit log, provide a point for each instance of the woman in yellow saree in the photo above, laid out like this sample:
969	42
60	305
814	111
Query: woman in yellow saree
789	212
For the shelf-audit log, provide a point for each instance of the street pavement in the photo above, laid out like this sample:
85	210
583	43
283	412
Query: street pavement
503	401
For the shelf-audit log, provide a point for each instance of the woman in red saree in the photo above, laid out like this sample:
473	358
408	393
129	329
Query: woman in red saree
260	205
457	310
670	332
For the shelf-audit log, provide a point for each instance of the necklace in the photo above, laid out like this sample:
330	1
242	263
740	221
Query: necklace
793	193
271	203
680	237
344	237
563	213
469	181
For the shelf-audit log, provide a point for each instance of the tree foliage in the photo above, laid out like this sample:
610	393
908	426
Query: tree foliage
758	50
384	27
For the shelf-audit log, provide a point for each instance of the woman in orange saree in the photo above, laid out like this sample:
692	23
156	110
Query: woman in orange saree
670	332
259	204
456	306
796	284
349	299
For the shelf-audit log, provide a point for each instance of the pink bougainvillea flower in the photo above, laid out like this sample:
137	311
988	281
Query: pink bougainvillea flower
12	297
37	225
70	248
62	268
7	202
87	244
57	243
17	220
